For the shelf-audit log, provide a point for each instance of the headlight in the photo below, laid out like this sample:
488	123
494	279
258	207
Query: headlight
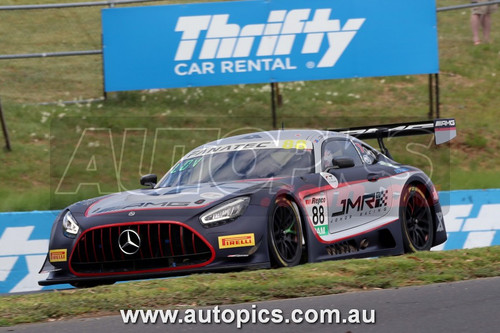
226	211
70	226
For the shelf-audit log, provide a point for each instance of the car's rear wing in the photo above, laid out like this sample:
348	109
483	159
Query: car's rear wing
444	130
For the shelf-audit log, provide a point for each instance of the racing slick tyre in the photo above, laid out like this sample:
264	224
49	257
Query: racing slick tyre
416	220
285	234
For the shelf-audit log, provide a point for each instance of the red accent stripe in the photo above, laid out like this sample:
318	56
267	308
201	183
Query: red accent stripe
149	241
111	243
310	191
93	245
445	129
78	248
181	232
140	247
119	233
194	245
170	240
212	250
159	239
102	247
86	250
354	235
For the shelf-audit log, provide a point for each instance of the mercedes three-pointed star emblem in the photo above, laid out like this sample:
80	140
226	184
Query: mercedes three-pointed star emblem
129	241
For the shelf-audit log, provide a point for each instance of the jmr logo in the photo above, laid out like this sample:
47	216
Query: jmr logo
367	201
276	37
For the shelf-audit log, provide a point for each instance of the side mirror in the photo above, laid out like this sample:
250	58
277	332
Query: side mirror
149	180
342	162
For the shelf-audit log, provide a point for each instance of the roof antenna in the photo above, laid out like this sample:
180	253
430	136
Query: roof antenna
282	125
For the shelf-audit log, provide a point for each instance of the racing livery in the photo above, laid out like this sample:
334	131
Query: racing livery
266	199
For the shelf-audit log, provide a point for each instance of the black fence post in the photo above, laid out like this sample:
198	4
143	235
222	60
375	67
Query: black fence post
431	98
434	95
4	128
273	104
438	114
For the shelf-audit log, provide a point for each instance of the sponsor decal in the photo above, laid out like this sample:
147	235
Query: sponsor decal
205	38
331	179
59	255
296	144
142	205
185	165
367	204
279	144
317	210
241	240
445	123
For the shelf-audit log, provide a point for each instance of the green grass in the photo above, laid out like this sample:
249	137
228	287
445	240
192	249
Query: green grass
251	286
44	137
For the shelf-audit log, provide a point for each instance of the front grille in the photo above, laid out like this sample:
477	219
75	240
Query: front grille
163	245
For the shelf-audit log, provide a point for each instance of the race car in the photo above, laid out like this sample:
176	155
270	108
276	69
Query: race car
259	200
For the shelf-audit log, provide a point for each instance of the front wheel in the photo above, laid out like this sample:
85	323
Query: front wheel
416	220
285	234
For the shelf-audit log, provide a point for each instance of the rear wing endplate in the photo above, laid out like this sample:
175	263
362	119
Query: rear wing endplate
444	130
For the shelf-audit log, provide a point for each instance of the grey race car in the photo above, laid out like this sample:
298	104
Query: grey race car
263	199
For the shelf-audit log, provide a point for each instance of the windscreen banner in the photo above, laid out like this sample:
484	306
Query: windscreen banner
258	41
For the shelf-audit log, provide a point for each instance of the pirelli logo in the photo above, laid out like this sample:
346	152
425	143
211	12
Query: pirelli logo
58	255
242	240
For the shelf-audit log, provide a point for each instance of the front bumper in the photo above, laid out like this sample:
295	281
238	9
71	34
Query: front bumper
166	250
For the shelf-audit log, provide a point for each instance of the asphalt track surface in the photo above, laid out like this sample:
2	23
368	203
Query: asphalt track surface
468	306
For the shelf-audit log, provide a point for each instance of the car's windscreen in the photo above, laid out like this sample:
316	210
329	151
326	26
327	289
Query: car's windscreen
240	165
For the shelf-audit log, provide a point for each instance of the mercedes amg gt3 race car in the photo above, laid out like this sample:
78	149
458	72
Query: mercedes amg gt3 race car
266	199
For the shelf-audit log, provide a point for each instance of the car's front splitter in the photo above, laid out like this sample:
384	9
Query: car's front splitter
63	278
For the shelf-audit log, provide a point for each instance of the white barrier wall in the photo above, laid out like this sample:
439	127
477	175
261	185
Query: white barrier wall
471	216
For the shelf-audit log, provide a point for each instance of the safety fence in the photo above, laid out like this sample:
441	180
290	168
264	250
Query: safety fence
471	218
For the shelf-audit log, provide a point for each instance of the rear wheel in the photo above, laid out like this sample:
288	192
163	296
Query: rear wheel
285	234
416	220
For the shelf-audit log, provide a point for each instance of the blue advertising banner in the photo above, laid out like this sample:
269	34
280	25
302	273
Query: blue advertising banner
235	42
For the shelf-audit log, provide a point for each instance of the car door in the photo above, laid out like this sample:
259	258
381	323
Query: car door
362	192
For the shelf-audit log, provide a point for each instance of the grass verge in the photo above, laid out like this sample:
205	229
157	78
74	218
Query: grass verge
325	278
